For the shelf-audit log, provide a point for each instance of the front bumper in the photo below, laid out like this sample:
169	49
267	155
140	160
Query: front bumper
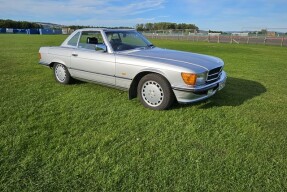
187	94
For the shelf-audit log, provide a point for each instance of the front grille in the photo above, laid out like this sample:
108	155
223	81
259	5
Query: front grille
213	75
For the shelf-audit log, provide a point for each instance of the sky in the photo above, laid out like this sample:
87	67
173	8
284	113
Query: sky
223	15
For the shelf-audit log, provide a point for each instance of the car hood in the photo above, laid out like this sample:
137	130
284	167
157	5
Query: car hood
179	58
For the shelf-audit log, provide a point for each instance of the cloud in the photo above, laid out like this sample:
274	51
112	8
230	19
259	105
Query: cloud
110	22
78	10
234	15
206	14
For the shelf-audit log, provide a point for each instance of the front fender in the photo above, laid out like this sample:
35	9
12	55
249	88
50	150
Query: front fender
137	78
153	70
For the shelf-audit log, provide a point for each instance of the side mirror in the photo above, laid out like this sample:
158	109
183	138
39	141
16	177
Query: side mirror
101	47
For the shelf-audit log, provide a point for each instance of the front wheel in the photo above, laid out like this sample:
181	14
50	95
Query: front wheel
155	92
62	74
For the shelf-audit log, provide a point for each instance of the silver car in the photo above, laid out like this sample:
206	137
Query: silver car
125	59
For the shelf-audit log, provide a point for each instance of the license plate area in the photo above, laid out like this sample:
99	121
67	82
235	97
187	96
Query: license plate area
210	91
221	85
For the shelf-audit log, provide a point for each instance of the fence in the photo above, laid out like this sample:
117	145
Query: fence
236	39
279	40
31	31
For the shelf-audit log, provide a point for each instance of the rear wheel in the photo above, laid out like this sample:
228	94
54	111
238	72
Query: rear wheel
155	92
62	74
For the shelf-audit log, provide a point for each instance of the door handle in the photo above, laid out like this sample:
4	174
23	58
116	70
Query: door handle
74	54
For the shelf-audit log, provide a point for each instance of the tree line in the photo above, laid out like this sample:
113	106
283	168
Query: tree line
18	24
165	26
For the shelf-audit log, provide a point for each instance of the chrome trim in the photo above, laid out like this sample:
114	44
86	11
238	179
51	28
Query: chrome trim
185	101
104	84
212	79
214	73
100	73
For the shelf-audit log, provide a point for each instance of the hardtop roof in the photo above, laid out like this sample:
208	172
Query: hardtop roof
104	29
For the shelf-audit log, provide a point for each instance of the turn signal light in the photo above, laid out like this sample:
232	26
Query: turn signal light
189	78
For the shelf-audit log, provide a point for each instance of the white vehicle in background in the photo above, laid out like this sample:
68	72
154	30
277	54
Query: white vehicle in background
125	59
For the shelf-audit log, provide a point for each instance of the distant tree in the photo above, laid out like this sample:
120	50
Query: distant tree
262	32
18	24
191	26
149	26
210	31
165	26
171	25
140	27
75	27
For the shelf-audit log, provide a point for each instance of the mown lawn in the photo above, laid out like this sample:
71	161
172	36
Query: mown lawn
87	137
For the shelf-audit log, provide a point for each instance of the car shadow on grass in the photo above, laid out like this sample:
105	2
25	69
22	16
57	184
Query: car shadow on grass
78	82
235	93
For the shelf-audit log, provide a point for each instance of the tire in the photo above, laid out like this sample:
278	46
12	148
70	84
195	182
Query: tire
155	92
62	74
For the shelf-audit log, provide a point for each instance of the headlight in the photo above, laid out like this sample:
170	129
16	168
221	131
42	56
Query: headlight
201	79
194	79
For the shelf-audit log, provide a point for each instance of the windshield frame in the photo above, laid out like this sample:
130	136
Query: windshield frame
118	45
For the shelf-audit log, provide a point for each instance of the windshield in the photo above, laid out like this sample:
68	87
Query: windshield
126	40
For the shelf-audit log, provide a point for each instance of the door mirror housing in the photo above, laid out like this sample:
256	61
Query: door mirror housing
101	47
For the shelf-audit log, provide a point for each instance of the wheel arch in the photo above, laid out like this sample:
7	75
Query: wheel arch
137	78
51	65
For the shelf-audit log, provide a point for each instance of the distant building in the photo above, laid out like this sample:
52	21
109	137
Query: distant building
9	30
67	30
50	31
2	30
271	34
214	34
240	34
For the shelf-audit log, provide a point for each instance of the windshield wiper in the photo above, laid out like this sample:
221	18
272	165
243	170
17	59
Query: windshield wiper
151	46
145	47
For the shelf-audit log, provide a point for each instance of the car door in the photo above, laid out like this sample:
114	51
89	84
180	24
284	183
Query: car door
90	62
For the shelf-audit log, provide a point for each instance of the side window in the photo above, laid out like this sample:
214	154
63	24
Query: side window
74	40
89	40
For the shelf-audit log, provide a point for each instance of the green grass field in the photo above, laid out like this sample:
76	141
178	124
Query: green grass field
86	137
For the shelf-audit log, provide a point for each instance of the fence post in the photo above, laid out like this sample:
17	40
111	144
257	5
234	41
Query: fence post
282	41
265	41
208	38
248	40
231	39
218	39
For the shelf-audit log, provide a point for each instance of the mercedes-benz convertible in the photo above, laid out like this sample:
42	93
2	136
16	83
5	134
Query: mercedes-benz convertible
125	59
